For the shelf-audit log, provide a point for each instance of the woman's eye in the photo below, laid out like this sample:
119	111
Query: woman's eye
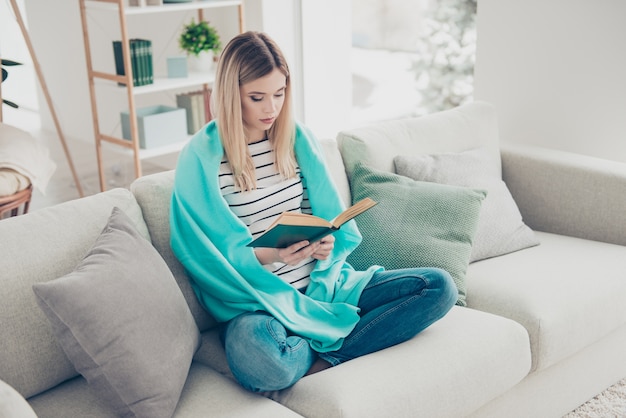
279	95
256	98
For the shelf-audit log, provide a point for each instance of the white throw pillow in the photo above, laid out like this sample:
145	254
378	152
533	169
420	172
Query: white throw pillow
501	229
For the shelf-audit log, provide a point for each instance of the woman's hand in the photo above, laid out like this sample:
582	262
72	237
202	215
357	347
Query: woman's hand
324	248
296	253
291	255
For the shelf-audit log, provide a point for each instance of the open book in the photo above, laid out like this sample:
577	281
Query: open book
292	227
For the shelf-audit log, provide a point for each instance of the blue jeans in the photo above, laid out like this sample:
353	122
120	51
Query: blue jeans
395	306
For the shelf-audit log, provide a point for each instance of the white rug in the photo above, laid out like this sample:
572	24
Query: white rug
609	404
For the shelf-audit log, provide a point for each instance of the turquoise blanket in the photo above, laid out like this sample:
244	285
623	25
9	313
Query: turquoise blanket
210	241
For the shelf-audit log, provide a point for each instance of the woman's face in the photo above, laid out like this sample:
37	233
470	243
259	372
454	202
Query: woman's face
261	103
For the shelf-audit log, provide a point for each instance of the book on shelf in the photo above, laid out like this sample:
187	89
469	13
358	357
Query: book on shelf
196	104
143	48
134	58
144	60
198	111
149	61
119	58
140	60
185	101
292	227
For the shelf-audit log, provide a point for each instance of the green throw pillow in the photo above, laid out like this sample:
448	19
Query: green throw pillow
415	224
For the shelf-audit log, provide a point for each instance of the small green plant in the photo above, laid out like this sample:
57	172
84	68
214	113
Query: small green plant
199	37
5	74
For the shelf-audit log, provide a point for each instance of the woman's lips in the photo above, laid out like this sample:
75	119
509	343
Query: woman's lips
268	121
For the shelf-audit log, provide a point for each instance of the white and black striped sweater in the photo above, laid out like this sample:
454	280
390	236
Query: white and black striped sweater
259	208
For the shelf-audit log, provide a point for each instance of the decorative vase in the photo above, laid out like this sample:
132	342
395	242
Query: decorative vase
201	63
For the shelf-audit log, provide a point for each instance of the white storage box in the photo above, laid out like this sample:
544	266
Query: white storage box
157	125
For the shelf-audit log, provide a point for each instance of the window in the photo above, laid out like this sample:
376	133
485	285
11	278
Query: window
411	57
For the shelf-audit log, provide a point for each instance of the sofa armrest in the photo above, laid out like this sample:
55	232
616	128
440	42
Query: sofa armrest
566	193
12	404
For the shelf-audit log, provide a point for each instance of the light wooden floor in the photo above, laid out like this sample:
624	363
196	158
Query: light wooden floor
119	169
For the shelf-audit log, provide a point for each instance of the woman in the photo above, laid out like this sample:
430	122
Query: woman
281	309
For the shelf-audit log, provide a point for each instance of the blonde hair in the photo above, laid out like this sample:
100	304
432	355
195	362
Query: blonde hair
247	57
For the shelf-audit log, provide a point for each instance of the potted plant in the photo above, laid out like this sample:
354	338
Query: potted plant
5	74
201	42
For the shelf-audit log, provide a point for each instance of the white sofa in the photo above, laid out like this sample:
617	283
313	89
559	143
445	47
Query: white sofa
544	328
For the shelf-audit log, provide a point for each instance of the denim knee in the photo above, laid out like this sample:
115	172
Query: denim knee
441	287
262	356
443	281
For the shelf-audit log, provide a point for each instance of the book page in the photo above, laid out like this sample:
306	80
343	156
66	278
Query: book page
354	210
296	218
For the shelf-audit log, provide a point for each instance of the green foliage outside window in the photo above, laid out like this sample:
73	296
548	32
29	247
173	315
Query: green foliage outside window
447	52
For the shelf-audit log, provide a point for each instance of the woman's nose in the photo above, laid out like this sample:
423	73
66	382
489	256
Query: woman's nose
271	106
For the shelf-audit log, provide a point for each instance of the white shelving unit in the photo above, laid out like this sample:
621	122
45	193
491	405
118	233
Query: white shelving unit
160	84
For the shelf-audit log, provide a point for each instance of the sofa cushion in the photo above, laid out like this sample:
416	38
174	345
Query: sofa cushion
206	394
579	196
12	404
469	126
567	292
154	194
500	226
450	369
56	239
123	322
211	353
415	224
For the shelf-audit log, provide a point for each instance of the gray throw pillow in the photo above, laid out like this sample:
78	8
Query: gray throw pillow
415	224
501	229
123	322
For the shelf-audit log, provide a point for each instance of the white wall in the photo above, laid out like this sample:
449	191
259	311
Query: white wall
56	34
555	71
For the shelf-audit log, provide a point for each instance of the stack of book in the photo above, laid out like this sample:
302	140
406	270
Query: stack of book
196	103
141	61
